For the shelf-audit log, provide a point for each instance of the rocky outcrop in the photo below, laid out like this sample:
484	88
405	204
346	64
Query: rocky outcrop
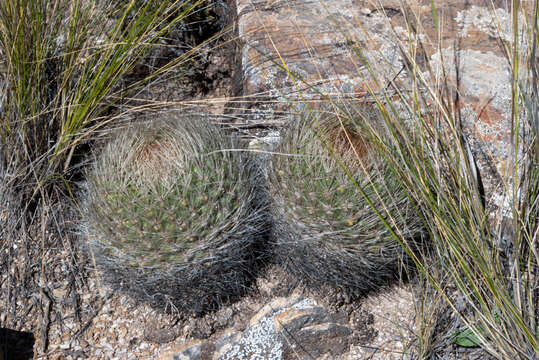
292	327
314	48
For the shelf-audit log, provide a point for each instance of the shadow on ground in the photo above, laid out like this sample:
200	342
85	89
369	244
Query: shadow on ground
16	345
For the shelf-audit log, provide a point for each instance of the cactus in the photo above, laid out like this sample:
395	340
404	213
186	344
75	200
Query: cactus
170	214
325	232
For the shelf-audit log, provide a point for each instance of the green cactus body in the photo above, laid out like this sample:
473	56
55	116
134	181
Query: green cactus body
170	214
325	232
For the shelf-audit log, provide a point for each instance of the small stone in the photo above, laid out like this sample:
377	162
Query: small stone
83	344
66	336
193	350
60	292
122	332
366	11
227	340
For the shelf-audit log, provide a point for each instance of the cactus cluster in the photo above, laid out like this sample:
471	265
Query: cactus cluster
176	214
325	232
173	215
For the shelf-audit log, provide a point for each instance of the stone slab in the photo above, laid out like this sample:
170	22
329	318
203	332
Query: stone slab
297	51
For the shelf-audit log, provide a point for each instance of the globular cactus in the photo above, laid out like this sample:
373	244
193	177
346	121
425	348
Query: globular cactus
325	232
173	215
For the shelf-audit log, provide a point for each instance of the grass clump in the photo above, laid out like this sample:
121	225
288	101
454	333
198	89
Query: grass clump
326	233
483	264
64	69
171	214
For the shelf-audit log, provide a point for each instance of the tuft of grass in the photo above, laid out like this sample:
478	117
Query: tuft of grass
491	263
70	71
65	63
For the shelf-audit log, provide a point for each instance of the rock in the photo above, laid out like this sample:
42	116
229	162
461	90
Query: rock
194	350
316	341
316	41
310	333
226	342
270	308
260	339
287	328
